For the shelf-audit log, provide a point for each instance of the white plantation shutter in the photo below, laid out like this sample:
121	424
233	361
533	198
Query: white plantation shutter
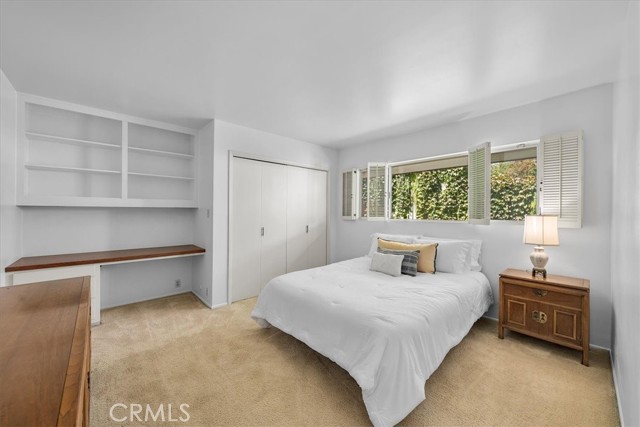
561	177
350	196
377	203
480	184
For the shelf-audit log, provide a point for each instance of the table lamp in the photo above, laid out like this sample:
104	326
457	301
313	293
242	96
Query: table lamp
540	230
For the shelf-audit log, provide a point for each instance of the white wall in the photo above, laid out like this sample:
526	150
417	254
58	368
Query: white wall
10	215
625	224
52	230
241	139
203	265
582	252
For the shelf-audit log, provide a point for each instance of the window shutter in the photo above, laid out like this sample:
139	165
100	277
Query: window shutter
480	184
350	194
561	178
377	191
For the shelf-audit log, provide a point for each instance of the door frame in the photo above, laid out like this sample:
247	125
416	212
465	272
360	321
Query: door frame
260	158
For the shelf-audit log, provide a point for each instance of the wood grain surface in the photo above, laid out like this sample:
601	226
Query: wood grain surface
44	331
104	257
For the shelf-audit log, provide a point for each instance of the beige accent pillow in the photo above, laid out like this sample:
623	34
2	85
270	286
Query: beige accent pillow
427	258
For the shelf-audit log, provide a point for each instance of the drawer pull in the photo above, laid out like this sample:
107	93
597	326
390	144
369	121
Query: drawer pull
540	292
539	316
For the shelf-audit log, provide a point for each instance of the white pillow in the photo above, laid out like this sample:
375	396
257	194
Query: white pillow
451	256
387	263
473	257
403	238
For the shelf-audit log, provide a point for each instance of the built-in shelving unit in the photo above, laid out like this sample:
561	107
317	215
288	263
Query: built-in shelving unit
74	155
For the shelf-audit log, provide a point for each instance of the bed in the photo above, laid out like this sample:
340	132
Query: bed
389	333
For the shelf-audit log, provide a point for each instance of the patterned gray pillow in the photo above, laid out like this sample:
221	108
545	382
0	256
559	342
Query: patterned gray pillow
409	263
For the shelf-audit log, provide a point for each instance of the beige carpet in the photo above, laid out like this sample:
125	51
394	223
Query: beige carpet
232	373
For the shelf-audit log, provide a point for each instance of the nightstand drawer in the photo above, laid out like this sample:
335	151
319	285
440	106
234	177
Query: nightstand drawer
541	294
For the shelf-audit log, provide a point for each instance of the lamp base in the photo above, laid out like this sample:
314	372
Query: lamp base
539	260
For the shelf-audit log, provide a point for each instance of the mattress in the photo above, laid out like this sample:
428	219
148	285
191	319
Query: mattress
389	333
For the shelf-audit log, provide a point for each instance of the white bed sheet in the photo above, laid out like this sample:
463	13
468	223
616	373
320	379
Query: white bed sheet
389	333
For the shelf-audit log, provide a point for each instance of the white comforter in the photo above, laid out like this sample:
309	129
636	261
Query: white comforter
389	333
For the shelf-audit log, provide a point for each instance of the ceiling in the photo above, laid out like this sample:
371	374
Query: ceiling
332	73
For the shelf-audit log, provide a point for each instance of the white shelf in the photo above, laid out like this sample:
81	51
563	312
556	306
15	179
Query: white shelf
39	200
162	153
31	166
73	155
153	175
62	139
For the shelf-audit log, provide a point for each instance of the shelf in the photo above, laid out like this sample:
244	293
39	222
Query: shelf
74	155
79	201
62	139
162	153
152	175
69	169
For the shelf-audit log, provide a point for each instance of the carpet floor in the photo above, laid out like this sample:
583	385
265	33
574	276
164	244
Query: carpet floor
230	372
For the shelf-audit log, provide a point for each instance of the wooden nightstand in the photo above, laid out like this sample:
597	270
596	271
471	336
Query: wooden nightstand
554	309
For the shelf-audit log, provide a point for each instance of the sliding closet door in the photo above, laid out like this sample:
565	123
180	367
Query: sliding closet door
317	218
273	260
306	218
297	242
278	223
245	239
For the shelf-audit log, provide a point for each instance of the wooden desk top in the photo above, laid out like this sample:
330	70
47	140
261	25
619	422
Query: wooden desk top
68	260
43	331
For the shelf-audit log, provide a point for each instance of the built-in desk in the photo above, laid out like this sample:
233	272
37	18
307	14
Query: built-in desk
53	267
45	353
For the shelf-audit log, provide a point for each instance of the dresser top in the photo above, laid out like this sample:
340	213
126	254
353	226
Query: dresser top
552	279
43	327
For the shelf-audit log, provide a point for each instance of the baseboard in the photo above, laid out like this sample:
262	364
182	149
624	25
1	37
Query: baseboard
202	300
213	307
599	347
146	299
614	373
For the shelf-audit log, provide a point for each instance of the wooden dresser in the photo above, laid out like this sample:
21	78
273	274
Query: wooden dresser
45	353
554	309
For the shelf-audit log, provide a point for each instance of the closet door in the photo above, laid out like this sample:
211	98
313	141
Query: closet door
245	251
273	257
317	218
297	206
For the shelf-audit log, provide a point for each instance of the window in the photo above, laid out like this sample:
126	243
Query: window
499	183
437	189
513	183
433	189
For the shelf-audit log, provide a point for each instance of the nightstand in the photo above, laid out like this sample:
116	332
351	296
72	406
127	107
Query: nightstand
554	309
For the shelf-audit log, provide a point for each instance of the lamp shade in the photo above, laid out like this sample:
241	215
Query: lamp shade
541	230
